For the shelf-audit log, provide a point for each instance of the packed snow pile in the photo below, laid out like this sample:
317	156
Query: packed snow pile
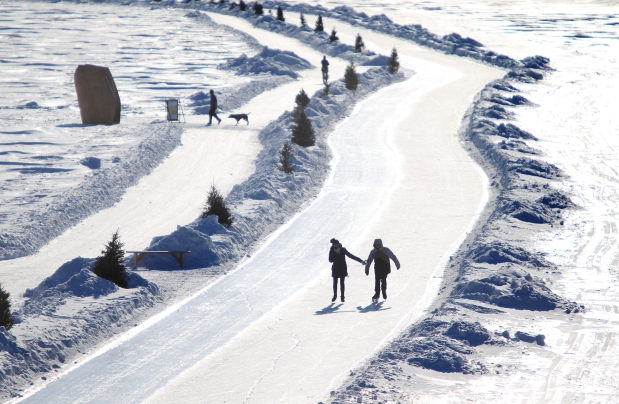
68	311
270	197
270	61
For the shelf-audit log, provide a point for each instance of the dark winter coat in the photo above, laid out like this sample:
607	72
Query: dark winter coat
325	65
339	269
213	102
382	265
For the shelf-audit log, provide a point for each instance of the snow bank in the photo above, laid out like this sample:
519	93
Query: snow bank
271	61
101	189
450	44
56	324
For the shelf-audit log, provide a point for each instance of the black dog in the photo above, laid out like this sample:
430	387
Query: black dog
238	117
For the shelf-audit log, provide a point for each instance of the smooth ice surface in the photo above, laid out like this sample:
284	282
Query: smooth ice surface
386	183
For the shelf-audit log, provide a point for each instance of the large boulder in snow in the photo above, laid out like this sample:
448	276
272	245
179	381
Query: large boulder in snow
97	95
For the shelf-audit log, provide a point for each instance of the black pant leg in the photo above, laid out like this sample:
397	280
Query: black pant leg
334	286
384	284
377	284
342	286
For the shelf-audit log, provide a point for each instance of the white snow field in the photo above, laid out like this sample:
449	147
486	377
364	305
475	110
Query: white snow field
266	331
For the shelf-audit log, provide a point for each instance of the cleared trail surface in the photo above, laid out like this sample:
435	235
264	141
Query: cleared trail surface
266	331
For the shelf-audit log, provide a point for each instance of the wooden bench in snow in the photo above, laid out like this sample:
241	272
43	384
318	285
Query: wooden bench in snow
138	255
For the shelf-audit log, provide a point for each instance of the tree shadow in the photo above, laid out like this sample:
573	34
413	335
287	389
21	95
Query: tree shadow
373	307
332	308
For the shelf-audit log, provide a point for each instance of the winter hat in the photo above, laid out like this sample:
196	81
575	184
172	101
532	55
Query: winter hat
378	241
334	241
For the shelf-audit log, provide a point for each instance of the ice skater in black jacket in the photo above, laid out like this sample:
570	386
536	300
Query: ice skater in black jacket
339	269
382	267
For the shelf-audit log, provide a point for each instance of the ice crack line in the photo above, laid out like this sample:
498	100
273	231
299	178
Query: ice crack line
269	370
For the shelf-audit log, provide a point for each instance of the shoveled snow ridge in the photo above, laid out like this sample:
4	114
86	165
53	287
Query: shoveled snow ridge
450	44
101	189
271	61
494	266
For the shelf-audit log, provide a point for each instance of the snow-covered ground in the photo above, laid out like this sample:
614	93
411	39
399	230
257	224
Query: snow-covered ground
577	128
288	278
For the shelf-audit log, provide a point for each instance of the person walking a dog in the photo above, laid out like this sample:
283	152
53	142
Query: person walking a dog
339	269
382	267
213	110
325	69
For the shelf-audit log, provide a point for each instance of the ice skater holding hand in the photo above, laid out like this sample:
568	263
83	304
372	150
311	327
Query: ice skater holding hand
339	269
382	267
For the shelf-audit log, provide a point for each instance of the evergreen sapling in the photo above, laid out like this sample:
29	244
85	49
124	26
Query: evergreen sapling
110	264
319	26
285	154
359	45
350	76
302	99
258	9
393	64
333	36
6	319
242	5
215	205
280	14
302	132
303	22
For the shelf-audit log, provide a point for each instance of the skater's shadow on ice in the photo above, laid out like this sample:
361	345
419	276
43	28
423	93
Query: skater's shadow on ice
332	308
372	307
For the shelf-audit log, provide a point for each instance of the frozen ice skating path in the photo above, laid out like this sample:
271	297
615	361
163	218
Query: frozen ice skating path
266	332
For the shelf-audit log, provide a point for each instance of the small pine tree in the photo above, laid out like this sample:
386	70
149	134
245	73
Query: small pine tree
258	9
302	99
110	264
350	76
242	5
285	154
222	2
359	45
215	205
303	132
280	14
303	22
393	64
333	36
6	319
232	5
319	26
